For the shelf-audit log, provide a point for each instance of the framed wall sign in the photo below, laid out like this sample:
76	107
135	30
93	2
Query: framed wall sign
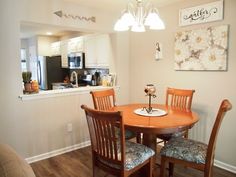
201	14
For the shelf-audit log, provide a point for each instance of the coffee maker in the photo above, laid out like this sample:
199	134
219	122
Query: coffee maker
96	79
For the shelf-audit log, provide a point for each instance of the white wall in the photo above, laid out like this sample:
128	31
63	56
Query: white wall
121	63
35	127
211	86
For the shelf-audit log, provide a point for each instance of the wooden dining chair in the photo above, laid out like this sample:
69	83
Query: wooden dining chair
191	153
112	153
104	100
177	99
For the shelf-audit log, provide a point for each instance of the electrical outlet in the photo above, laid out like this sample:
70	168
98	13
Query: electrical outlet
69	127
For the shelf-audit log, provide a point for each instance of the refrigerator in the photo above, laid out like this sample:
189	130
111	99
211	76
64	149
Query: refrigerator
49	71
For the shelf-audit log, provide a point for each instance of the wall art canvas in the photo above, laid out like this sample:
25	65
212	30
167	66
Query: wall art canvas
201	14
202	49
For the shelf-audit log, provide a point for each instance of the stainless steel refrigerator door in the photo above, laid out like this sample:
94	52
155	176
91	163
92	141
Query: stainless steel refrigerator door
42	73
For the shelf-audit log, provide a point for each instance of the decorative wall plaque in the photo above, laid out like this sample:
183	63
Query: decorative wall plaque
201	14
75	17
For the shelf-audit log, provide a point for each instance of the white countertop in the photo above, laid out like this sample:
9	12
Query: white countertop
61	92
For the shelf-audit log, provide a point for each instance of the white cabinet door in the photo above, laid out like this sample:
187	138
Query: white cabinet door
103	50
64	54
75	45
71	46
55	48
80	44
97	51
90	52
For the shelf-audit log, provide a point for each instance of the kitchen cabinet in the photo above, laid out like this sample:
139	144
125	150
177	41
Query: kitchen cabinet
70	46
103	50
56	48
75	45
97	51
90	52
64	54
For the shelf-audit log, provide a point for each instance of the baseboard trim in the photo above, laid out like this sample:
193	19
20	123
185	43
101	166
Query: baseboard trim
47	155
57	152
225	166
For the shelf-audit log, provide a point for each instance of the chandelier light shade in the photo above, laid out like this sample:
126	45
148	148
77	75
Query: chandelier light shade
136	17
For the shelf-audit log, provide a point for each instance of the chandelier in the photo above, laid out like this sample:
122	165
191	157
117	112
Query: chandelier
139	16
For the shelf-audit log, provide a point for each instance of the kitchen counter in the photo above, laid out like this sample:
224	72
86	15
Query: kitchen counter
62	92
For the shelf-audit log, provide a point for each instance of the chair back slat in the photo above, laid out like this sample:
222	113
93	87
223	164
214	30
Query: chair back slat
95	138
179	98
103	100
224	107
102	128
101	135
110	141
107	137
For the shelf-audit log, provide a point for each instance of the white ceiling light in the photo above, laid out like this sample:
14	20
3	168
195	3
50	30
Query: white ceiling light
139	16
49	33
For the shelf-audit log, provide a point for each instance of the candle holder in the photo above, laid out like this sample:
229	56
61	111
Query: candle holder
150	91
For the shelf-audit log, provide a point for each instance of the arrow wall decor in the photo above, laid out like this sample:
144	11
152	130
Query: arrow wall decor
75	17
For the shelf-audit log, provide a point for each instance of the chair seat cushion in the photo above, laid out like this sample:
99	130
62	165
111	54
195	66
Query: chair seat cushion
167	137
185	149
128	134
135	154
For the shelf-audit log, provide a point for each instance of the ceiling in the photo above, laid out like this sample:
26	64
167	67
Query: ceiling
118	5
32	29
28	30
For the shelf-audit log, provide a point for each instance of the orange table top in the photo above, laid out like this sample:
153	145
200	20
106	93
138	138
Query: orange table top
175	119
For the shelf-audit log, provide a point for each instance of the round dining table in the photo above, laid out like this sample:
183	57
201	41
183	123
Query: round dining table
174	120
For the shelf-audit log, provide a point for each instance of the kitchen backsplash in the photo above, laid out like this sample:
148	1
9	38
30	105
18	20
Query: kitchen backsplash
90	76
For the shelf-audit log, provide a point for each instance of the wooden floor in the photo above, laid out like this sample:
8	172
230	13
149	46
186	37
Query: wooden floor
78	164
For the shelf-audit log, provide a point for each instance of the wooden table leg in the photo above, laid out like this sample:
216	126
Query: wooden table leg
150	141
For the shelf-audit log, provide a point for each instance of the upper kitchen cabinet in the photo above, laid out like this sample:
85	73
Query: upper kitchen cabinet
56	48
97	51
103	50
64	54
76	45
70	46
90	52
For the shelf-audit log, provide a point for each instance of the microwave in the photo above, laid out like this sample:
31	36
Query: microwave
76	60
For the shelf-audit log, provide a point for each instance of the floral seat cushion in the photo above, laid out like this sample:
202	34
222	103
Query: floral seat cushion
128	134
167	137
135	154
185	149
178	134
